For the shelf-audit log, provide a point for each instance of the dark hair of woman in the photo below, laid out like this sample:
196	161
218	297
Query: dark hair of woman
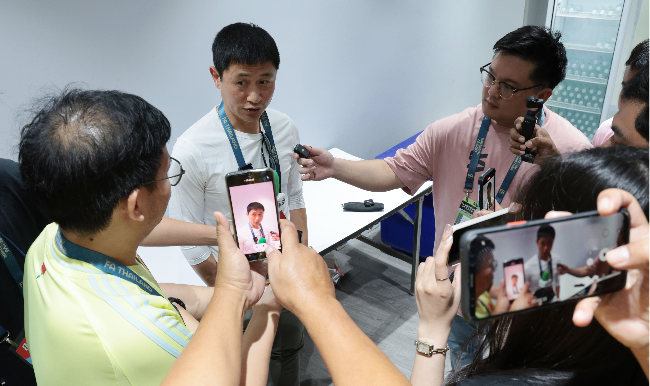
543	346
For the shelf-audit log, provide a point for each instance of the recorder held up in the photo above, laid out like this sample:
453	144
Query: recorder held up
528	125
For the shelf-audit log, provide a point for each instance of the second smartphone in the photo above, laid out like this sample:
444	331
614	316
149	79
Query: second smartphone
254	211
487	190
540	263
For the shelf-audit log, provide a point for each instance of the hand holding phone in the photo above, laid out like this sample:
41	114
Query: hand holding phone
624	314
299	275
557	260
436	297
234	269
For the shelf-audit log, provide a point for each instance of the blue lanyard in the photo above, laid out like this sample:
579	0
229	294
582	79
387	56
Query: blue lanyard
267	135
103	263
476	155
10	261
253	233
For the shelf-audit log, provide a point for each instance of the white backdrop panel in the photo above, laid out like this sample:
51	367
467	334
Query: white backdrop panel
357	75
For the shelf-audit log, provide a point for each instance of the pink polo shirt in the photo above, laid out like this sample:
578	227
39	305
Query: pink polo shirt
604	133
442	153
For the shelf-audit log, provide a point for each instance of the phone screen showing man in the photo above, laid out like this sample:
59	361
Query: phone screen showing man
487	190
255	218
513	273
489	196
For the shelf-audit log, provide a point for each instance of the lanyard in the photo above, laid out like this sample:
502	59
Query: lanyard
476	155
253	233
550	266
267	140
103	263
10	261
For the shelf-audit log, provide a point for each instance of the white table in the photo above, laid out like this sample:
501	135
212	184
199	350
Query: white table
329	226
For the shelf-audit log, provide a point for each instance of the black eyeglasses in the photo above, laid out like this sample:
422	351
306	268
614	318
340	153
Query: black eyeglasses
174	173
506	91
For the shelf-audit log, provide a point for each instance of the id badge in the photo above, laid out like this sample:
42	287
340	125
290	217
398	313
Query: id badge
282	202
22	350
467	207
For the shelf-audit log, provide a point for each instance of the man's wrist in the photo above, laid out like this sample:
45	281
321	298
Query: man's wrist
315	307
231	294
336	167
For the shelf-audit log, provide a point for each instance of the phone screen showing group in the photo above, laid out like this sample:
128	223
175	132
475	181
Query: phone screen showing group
254	211
517	268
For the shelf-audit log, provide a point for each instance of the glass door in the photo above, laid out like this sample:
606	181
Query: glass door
590	32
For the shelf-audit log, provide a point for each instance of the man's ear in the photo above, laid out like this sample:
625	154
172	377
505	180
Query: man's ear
545	94
133	207
215	77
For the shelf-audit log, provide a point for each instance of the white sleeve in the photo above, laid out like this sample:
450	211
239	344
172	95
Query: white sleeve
188	198
294	183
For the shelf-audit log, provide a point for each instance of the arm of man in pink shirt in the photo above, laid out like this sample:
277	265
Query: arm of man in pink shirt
373	175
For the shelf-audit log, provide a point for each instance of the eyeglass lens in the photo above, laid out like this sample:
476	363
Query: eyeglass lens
488	80
174	173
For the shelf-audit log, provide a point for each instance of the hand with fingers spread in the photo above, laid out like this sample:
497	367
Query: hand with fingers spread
234	271
541	144
319	166
624	314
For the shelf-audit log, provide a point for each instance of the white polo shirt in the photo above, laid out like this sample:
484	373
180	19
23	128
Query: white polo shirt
206	155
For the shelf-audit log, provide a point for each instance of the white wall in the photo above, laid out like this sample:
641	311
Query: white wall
358	75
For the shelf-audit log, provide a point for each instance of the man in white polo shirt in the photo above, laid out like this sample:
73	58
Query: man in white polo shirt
246	61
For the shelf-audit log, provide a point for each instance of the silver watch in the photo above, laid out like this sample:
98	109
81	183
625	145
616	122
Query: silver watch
428	349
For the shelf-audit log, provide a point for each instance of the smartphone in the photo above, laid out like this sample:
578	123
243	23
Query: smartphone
500	217
254	211
486	190
563	261
513	273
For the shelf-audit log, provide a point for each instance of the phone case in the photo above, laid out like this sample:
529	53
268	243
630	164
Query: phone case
238	174
468	301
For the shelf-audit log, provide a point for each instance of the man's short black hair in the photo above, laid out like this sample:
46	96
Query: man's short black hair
639	56
545	231
636	90
243	43
83	151
254	205
542	47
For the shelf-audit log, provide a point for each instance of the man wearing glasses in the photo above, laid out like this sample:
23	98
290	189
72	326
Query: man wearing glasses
529	61
96	163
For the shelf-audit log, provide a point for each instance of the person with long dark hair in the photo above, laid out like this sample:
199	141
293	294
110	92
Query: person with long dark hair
546	346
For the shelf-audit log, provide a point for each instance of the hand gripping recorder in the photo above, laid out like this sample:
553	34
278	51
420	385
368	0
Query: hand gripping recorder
530	120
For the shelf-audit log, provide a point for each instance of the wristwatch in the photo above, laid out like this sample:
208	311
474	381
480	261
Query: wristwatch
428	350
